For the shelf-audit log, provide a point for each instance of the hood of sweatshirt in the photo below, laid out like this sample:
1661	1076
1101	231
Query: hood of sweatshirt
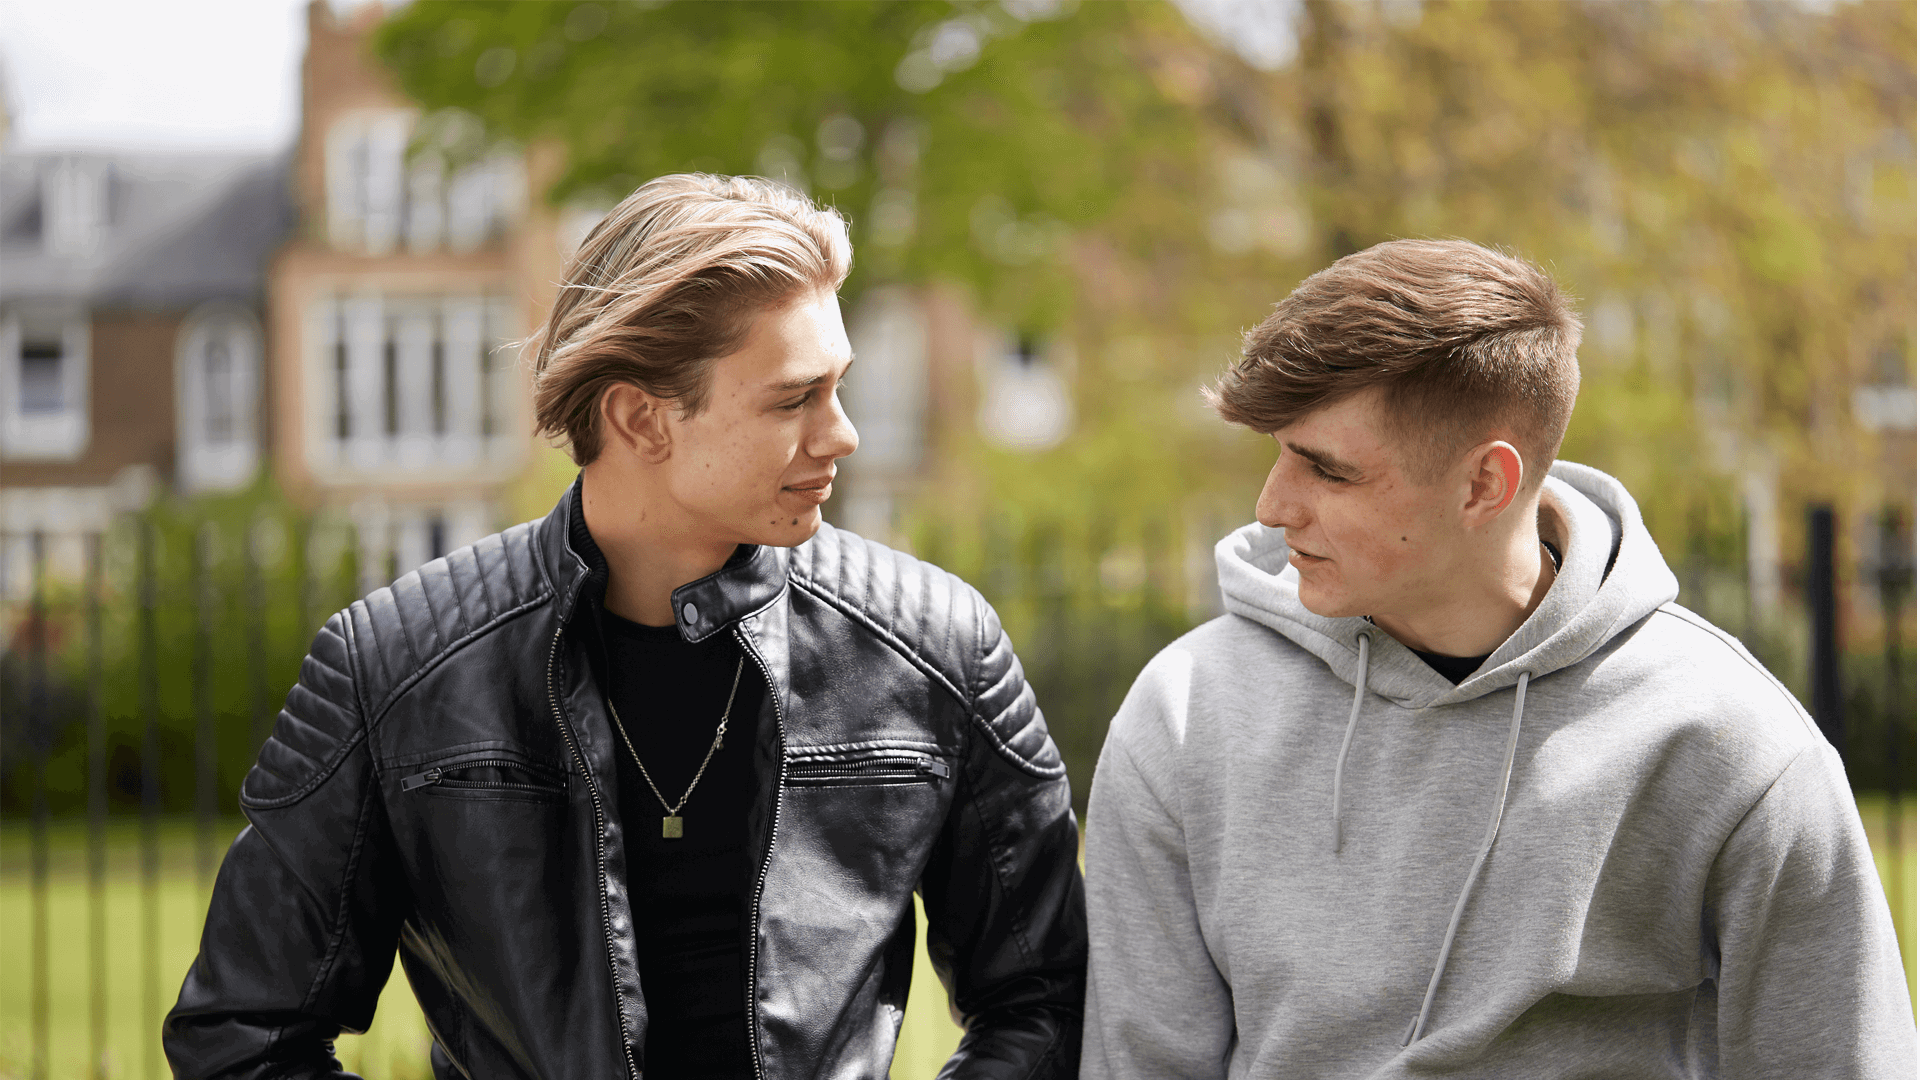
1611	576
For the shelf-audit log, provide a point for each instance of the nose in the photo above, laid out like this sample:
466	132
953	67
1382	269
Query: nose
1279	506
833	437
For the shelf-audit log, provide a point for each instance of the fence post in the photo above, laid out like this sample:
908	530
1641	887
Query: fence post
256	601
1896	576
308	524
1824	645
96	817
39	736
149	645
205	750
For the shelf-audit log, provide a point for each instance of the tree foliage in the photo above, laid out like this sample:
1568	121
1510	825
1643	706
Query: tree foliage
964	141
1729	188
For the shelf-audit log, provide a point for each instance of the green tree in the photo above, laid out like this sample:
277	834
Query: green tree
1729	187
965	142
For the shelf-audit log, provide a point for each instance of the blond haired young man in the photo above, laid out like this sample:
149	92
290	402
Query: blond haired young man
1455	788
647	787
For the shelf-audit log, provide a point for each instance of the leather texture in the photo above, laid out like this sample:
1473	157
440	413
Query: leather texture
439	787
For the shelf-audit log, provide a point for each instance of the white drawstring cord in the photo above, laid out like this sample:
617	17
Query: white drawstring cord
1418	1026
1353	720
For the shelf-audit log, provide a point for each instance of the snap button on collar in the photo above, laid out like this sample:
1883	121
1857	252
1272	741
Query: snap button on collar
689	614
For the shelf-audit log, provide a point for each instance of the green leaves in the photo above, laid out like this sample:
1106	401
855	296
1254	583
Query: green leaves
963	141
1728	188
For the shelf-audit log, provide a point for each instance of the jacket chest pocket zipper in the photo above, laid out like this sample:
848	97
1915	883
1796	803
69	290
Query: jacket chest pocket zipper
880	770
498	774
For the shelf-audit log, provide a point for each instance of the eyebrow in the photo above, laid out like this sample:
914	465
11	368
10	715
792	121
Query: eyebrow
1325	460
791	385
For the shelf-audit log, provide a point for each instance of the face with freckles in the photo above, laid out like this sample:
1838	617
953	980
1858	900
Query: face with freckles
1366	538
754	465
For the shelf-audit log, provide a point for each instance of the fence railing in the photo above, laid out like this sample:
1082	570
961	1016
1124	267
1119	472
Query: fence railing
140	674
142	667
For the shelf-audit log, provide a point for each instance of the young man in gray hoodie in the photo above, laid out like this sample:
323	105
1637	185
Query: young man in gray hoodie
1455	788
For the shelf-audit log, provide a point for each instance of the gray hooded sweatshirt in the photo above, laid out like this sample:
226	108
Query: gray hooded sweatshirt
1618	849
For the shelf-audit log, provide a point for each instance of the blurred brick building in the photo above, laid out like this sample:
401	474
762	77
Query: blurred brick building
418	257
132	291
340	316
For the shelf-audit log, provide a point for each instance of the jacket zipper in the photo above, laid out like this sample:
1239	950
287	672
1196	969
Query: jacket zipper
438	775
906	766
760	881
600	850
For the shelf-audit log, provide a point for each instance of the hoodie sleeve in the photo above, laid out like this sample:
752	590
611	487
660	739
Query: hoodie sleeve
1811	983
1156	1004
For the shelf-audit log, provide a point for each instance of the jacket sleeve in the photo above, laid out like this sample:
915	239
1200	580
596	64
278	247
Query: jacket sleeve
1157	1005
1811	982
306	909
1006	914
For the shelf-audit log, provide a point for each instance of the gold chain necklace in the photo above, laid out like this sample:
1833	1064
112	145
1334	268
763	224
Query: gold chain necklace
672	826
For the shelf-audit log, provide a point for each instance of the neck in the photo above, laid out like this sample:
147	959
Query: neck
650	551
1479	601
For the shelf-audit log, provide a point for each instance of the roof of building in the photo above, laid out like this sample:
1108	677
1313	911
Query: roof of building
178	228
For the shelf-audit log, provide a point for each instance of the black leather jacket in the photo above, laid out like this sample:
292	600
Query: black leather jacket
505	895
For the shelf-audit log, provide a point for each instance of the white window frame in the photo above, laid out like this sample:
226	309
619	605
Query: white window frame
49	436
204	463
73	206
483	201
366	179
378	200
450	341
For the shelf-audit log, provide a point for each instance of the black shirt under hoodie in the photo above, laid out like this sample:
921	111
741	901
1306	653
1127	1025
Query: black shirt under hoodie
688	894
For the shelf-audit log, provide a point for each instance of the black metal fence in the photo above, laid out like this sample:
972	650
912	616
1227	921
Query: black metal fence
143	666
140	683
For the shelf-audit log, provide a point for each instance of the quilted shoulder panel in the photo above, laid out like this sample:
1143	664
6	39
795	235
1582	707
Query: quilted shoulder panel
941	623
318	727
368	654
402	631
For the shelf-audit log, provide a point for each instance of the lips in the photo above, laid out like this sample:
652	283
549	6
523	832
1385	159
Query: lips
814	491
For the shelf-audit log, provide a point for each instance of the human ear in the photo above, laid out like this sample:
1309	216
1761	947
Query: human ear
1497	471
636	420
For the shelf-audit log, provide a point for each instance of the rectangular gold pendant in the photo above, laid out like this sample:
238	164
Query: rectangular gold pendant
670	827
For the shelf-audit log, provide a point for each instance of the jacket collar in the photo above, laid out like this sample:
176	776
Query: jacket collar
754	578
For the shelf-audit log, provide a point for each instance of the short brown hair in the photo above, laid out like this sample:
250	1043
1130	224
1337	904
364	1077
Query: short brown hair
1462	340
666	284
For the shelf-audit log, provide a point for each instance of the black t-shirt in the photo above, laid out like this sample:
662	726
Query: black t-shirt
688	894
1454	668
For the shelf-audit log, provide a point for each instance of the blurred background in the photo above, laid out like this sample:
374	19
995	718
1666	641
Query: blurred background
262	265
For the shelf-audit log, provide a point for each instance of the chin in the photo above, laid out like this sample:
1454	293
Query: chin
1327	607
788	529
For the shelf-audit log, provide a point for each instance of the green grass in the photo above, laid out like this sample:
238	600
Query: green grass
396	1046
132	1029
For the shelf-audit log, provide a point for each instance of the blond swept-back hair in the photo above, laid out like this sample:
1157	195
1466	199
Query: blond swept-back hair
1462	341
667	283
